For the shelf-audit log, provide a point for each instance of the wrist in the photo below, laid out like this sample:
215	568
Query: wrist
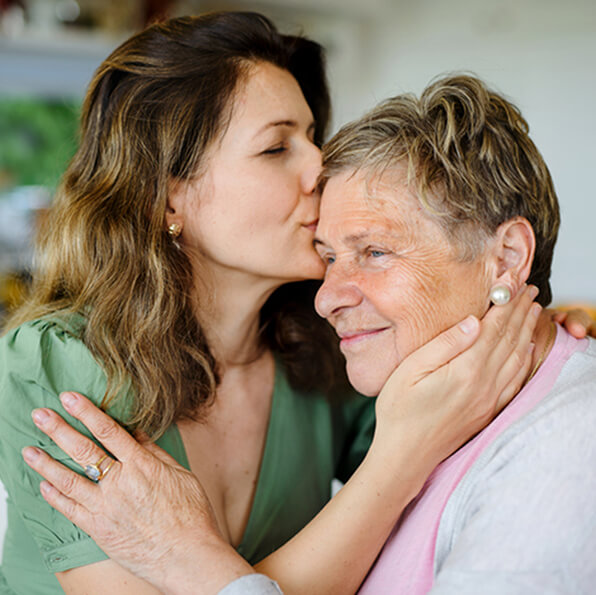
203	566
399	465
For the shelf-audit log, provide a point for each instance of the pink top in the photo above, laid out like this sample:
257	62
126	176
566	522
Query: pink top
406	563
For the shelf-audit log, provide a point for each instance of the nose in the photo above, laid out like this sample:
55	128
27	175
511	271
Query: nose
312	169
338	293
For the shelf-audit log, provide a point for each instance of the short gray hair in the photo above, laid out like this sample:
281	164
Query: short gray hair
470	163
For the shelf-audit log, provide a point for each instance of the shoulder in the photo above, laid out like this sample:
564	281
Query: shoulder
42	336
534	484
523	516
44	357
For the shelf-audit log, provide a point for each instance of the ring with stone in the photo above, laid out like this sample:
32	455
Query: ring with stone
95	473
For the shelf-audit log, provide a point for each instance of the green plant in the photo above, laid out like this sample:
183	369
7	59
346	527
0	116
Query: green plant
37	139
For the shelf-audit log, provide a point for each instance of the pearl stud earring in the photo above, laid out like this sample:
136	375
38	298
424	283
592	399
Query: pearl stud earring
500	295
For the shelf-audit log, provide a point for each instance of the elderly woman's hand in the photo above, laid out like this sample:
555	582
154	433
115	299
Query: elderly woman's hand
577	322
166	536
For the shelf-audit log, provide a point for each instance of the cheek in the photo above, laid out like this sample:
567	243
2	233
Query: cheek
420	302
411	293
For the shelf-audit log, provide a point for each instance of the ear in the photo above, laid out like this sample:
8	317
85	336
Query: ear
513	253
177	200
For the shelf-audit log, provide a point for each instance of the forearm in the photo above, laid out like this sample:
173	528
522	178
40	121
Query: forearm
334	552
204	568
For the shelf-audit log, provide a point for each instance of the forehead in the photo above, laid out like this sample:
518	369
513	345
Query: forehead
354	202
267	93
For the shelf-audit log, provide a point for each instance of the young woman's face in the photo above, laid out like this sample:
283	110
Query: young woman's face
255	208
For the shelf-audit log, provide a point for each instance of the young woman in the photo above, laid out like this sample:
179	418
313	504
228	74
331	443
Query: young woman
173	289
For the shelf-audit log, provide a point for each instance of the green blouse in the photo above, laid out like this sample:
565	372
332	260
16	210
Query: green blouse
309	442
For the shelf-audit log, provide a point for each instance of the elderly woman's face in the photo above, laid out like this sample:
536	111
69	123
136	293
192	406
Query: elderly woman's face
393	280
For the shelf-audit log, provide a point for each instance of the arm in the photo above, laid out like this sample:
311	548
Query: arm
424	413
222	578
194	558
437	390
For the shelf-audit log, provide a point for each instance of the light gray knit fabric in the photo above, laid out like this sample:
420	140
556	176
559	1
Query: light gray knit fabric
252	584
523	519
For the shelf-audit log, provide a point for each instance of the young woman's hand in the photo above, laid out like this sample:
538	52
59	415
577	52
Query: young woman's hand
453	386
147	512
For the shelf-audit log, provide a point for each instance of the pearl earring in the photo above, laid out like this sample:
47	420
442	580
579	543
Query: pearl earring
174	230
500	295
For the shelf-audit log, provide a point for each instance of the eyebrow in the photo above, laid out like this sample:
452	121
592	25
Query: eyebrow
354	238
288	123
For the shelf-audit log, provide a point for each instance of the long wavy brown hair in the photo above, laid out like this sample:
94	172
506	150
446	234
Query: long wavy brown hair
152	110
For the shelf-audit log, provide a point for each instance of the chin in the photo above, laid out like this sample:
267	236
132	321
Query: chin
366	382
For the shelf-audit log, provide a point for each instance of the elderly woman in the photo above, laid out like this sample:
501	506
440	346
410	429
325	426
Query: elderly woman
432	208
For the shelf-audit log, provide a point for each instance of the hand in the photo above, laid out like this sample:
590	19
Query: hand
147	513
452	387
579	323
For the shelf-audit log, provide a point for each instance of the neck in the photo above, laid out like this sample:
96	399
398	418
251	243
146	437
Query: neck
232	318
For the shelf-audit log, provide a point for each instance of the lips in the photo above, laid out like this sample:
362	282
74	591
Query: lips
312	226
353	338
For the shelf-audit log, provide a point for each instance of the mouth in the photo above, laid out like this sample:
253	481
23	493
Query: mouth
312	226
353	338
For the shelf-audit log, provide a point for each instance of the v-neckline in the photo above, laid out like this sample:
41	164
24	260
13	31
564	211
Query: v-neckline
264	466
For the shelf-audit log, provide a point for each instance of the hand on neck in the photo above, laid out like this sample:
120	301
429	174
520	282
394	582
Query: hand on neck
544	338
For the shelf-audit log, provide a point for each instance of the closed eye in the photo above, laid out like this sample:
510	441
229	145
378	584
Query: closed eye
275	150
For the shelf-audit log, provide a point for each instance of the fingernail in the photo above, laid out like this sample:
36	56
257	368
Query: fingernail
536	309
531	347
45	488
533	291
467	325
68	400
30	453
40	416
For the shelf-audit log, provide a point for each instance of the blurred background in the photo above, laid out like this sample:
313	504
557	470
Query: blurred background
540	53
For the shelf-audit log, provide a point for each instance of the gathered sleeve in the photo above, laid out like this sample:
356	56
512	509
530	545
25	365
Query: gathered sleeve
38	360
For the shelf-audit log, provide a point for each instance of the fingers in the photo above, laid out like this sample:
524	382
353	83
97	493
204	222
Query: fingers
71	509
78	447
517	361
442	349
513	386
75	488
578	323
557	315
501	330
107	431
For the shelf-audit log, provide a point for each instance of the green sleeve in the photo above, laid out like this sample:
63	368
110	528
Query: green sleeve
38	361
358	421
